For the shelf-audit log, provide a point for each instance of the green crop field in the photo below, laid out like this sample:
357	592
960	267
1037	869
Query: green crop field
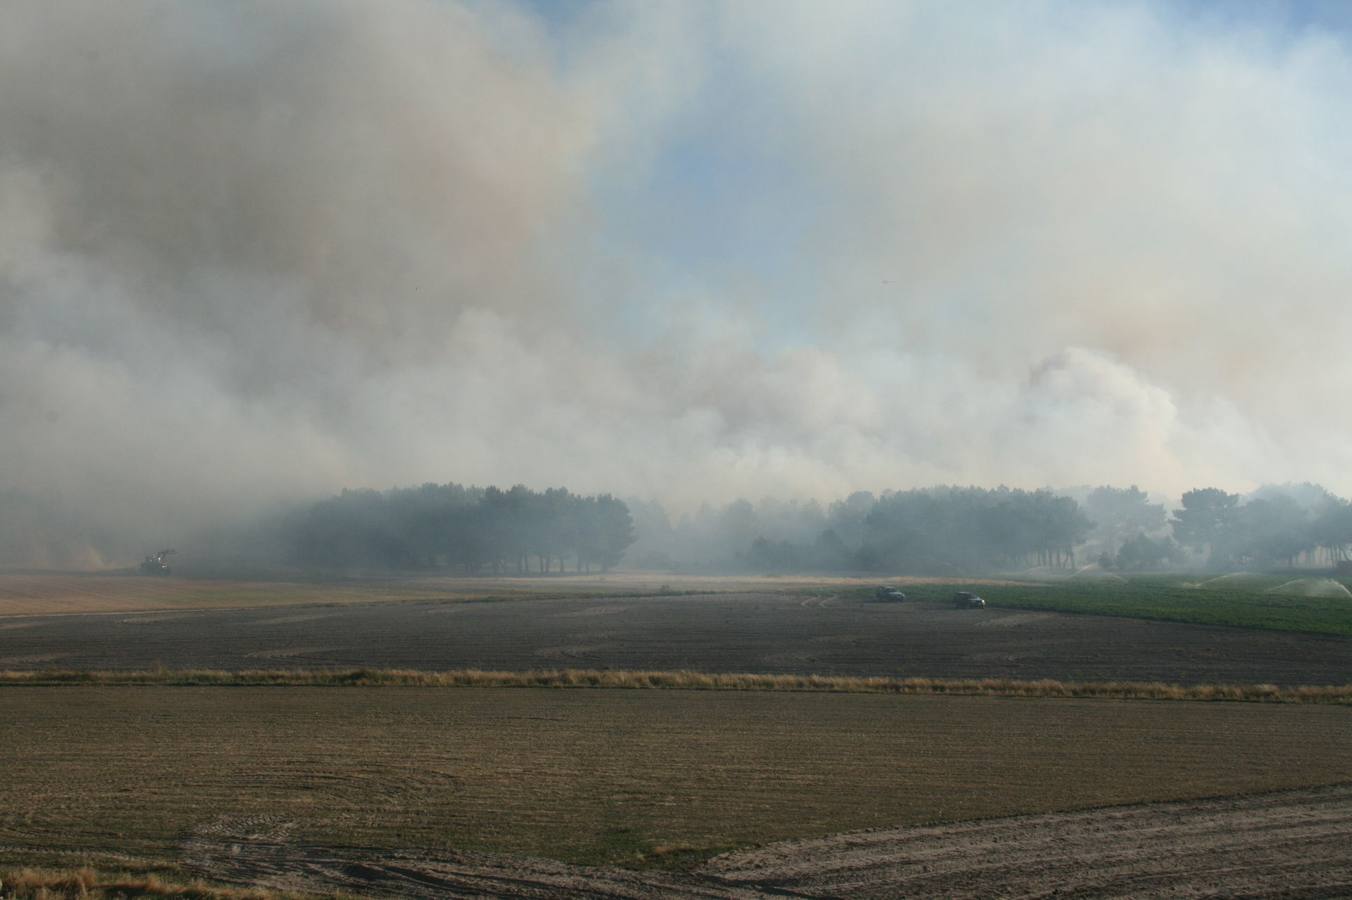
1249	601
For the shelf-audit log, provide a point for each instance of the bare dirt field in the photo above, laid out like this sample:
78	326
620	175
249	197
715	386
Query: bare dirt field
824	633
24	593
1286	844
266	784
46	593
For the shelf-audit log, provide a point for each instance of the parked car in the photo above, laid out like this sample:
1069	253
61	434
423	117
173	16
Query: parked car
886	592
967	600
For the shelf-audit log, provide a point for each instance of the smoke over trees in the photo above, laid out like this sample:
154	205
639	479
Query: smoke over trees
940	530
467	529
1122	514
461	529
969	530
1276	526
933	530
252	252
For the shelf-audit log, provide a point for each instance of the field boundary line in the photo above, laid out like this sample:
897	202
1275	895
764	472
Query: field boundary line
329	602
683	680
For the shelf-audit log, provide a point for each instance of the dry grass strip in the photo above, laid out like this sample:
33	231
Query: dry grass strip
49	884
699	681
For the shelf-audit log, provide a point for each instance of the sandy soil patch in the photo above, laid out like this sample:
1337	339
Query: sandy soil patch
292	620
292	652
30	660
610	609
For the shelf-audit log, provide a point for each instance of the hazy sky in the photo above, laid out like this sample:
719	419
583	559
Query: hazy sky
253	252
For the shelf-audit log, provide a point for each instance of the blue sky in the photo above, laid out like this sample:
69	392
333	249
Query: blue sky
1282	16
726	204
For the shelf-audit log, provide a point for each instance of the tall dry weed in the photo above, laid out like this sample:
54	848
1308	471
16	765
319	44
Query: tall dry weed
86	882
682	680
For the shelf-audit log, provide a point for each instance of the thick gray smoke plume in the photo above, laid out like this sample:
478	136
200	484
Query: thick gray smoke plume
256	252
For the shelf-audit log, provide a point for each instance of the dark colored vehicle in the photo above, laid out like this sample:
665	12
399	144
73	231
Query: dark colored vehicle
888	593
157	564
967	600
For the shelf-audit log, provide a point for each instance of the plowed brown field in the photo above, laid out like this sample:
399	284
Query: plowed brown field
602	776
1289	844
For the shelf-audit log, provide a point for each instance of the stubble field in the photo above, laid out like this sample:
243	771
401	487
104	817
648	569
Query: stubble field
24	593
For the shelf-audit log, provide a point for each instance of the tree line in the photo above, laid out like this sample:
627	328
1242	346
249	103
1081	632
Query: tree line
933	530
971	529
464	528
1275	526
937	530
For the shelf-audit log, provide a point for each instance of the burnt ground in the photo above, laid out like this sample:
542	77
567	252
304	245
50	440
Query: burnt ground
743	632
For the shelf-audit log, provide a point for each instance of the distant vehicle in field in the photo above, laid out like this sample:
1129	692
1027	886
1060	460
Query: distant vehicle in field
886	592
157	564
967	600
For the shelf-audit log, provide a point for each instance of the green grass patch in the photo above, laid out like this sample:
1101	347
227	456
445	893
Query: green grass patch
1238	602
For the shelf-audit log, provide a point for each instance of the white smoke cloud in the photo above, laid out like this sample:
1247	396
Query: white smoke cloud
258	252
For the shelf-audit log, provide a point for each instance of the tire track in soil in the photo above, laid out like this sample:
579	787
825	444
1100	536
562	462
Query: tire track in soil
1294	843
242	853
1288	844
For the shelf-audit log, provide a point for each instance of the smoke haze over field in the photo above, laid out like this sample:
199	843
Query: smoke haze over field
251	253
